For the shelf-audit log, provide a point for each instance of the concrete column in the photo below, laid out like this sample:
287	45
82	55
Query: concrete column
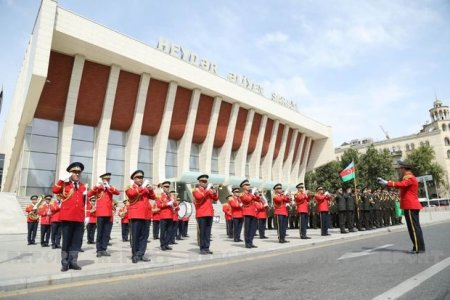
184	148
161	140
268	159
303	165
134	133
296	164
241	156
207	146
255	160
65	134
225	151
278	164
286	175
102	136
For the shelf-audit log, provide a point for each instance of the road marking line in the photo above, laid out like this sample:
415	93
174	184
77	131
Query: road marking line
413	282
363	253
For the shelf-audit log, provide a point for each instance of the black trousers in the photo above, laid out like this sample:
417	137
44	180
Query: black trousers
269	223
138	240
350	219
180	231
324	222
303	223
125	231
173	231
155	229
282	227
414	229
262	228
147	231
237	228
342	215
56	234
45	233
185	232
104	227
229	227
204	232
32	231
249	229
72	237
166	230
90	229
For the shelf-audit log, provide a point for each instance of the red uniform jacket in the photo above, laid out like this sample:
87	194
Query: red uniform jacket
28	209
104	199
261	211
54	207
123	214
236	208
203	200
72	201
45	213
155	211
408	191
139	202
279	202
176	208
166	211
302	200
322	202
91	215
248	200
226	208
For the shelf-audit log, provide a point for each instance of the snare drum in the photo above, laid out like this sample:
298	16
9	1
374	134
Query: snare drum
185	210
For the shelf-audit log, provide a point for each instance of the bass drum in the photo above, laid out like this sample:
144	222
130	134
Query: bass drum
185	210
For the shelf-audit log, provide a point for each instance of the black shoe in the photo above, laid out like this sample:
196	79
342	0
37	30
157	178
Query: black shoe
99	254
53	246
33	243
203	252
64	268
74	266
239	240
81	250
44	245
104	253
163	249
168	248
305	237
253	246
143	258
248	246
353	230
209	251
134	259
326	234
264	237
344	232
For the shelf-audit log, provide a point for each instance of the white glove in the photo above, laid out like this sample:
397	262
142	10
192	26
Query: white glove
170	203
85	192
287	204
106	185
145	183
326	193
65	177
253	190
241	204
86	220
382	181
265	205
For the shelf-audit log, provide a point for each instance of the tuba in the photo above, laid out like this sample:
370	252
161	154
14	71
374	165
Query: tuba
33	215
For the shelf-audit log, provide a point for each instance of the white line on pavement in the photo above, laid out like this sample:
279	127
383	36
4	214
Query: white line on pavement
413	282
363	253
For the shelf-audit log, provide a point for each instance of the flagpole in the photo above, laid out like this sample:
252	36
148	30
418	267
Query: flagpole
356	195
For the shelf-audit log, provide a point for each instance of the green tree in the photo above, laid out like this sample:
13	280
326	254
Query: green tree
373	164
348	156
326	176
422	160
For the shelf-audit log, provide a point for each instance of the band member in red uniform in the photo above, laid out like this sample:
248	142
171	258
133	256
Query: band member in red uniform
91	220
123	214
409	202
139	195
73	195
302	201
226	208
156	219
281	202
238	217
249	211
32	220
261	217
204	195
165	203
45	213
56	223
323	209
176	208
104	193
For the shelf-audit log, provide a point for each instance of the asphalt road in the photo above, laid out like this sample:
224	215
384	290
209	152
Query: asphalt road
358	269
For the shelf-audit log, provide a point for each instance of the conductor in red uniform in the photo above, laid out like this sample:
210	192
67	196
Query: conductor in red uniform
409	202
204	196
138	195
73	196
104	193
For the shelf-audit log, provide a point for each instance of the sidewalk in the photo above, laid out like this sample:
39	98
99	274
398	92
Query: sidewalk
23	266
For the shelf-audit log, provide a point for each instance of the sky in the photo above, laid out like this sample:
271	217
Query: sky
355	65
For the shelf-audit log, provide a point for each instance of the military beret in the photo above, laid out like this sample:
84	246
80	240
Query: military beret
403	164
203	176
276	186
75	166
34	197
105	176
300	185
235	189
137	172
245	182
165	182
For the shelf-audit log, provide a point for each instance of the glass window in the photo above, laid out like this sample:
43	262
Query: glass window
83	133
116	137
146	142
232	163
447	141
145	155
247	166
444	127
86	161
147	168
82	148
448	153
115	152
40	178
171	158
42	161
115	166
40	143
194	158
45	127
215	161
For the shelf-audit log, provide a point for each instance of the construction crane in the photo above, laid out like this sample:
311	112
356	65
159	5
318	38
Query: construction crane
385	133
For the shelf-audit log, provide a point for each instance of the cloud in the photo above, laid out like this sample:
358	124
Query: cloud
273	38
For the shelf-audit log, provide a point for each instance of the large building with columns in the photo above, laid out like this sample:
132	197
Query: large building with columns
88	93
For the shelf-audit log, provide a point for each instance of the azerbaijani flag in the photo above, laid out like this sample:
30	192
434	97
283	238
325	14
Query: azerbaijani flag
348	173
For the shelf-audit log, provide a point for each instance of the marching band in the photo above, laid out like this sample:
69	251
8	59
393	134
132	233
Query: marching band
77	206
